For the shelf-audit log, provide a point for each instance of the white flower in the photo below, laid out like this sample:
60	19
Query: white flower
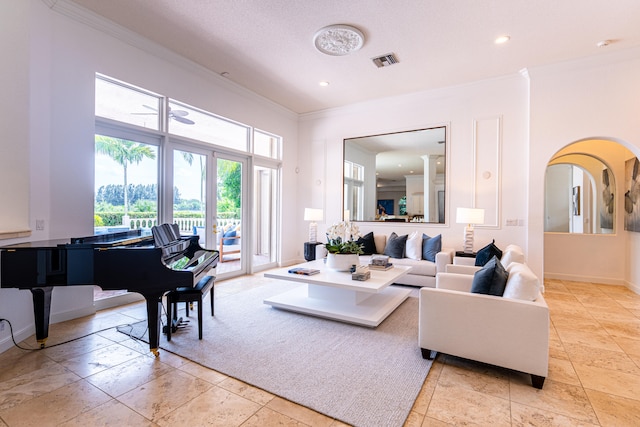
344	231
342	238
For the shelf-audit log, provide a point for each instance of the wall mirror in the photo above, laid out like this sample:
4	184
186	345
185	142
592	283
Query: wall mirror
579	195
396	176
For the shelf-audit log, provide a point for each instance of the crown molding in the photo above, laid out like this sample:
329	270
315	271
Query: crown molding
84	16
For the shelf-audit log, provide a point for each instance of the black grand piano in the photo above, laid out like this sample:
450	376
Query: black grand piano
124	260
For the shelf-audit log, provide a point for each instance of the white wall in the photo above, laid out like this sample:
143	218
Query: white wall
460	108
58	80
592	98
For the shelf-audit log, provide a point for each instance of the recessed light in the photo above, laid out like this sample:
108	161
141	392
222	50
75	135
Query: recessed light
502	39
323	83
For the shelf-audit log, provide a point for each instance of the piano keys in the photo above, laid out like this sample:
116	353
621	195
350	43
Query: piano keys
126	260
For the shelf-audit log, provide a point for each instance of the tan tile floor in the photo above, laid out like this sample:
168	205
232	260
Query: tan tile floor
109	379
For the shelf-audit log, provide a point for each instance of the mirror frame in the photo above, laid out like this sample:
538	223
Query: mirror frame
374	150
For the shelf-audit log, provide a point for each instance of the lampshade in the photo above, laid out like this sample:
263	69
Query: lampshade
469	216
311	214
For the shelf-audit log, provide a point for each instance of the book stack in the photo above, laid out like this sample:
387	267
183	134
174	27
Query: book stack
304	271
361	273
380	262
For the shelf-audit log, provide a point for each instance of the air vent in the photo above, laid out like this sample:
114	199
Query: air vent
385	60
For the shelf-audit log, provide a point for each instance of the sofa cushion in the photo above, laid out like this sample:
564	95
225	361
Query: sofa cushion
395	245
522	283
512	253
485	254
490	279
431	246
413	248
368	244
418	268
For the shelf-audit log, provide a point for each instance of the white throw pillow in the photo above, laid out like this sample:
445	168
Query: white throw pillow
413	248
522	283
511	254
513	247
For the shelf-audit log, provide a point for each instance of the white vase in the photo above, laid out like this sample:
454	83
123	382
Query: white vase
342	262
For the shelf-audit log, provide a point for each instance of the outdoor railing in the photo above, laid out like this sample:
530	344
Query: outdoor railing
186	224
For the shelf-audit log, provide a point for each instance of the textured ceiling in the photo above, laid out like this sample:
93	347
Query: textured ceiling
267	45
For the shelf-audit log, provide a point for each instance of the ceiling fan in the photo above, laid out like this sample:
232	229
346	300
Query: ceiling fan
177	115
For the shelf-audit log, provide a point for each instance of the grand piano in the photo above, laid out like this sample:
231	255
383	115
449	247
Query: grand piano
127	260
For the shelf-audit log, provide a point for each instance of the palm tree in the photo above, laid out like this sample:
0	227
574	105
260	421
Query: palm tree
188	157
123	152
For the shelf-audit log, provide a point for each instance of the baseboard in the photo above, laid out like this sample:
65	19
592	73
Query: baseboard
115	301
633	287
587	279
21	335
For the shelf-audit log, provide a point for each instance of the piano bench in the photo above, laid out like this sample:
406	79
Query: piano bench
189	295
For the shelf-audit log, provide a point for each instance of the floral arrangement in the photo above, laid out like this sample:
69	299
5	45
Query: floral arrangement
342	238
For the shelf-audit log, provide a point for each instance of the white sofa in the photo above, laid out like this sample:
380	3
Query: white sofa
501	331
423	272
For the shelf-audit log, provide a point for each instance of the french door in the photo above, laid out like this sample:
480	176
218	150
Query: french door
208	193
232	236
231	203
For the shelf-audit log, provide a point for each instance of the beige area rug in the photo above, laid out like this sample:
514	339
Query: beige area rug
361	376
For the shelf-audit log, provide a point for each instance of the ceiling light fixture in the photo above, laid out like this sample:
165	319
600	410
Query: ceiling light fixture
323	84
502	39
338	40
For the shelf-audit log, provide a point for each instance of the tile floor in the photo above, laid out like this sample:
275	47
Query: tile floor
109	379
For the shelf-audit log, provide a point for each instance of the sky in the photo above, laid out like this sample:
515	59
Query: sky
187	178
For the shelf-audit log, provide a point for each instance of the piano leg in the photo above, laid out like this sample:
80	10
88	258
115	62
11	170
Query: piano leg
41	312
154	311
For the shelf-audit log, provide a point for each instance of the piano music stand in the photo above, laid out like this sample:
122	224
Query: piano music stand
189	295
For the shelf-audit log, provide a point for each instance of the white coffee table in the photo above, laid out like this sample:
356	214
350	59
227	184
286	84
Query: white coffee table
334	295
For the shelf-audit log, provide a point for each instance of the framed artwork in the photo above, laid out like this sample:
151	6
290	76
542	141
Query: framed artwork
606	208
385	207
632	194
576	200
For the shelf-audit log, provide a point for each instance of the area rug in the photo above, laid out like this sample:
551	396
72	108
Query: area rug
361	376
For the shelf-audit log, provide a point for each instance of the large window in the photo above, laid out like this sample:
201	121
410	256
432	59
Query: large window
127	104
266	145
161	160
196	124
126	184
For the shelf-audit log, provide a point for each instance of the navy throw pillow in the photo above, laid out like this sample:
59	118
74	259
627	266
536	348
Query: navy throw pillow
490	279
395	245
485	254
431	246
367	243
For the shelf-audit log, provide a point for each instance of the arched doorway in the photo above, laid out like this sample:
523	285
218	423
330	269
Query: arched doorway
599	256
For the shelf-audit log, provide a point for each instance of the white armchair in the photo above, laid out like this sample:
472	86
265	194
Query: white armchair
499	331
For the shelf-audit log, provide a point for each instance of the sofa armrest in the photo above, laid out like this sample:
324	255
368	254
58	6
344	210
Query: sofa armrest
444	257
510	333
461	269
454	281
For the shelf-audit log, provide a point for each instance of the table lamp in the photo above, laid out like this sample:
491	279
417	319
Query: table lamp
313	215
469	216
